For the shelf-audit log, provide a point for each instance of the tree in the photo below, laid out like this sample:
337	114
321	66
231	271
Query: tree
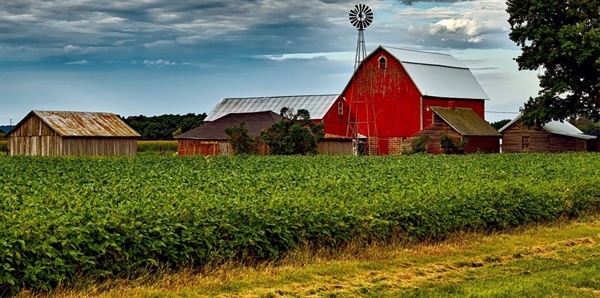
499	124
562	38
294	134
164	127
240	141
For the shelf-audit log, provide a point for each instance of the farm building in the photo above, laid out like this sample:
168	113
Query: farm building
211	139
555	136
387	100
55	133
459	124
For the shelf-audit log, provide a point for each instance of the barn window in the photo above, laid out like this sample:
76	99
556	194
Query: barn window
382	63
340	108
525	143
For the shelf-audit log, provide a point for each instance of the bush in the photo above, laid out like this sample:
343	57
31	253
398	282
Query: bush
452	147
240	141
420	145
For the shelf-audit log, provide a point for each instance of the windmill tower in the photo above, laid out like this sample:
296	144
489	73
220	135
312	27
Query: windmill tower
361	119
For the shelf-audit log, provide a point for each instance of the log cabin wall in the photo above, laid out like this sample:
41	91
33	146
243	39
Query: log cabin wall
519	138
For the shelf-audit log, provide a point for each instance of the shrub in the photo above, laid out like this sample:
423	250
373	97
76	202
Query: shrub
420	145
240	141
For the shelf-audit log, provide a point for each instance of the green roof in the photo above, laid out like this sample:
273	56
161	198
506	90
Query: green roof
466	122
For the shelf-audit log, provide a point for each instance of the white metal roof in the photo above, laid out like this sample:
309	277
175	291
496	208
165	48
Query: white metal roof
556	127
420	57
316	105
438	75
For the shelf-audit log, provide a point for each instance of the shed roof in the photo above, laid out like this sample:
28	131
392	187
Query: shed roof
84	124
466	122
316	105
438	75
215	130
556	127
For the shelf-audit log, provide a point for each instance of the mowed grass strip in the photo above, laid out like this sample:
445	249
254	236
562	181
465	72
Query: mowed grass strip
560	259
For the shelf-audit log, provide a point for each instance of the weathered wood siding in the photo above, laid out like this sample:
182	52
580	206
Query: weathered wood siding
34	137
208	148
539	141
483	145
335	147
99	146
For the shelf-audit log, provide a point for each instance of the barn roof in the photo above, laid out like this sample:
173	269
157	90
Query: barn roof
437	75
466	122
84	124
316	105
557	128
215	130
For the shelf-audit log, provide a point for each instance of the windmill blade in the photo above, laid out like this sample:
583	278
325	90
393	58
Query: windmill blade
361	16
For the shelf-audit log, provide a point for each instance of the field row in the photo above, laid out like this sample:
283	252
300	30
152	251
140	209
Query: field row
65	217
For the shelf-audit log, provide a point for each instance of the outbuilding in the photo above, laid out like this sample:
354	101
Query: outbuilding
211	139
57	133
461	125
554	136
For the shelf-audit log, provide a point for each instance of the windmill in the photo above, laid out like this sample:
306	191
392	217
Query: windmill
361	17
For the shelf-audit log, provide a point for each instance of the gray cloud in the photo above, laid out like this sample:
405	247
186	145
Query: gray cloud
187	30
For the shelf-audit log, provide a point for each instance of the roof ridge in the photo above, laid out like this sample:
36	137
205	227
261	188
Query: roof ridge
282	96
419	51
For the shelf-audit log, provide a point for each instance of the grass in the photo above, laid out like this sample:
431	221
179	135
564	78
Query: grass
559	259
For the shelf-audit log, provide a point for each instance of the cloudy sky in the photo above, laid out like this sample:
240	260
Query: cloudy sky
153	57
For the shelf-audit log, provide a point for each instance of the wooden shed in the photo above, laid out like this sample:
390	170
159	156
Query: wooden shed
335	145
458	124
554	136
211	139
56	133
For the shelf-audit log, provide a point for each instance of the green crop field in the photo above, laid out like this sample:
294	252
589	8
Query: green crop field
62	218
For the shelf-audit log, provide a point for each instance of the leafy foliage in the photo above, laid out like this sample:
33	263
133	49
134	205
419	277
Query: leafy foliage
66	217
163	127
420	145
451	146
562	38
499	124
294	134
240	141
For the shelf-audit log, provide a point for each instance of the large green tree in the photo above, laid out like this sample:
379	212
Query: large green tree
562	39
294	134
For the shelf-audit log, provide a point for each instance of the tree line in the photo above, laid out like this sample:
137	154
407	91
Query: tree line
164	127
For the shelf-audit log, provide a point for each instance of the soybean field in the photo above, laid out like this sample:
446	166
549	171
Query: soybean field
66	217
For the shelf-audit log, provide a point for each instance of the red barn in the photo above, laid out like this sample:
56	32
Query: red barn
392	92
388	99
